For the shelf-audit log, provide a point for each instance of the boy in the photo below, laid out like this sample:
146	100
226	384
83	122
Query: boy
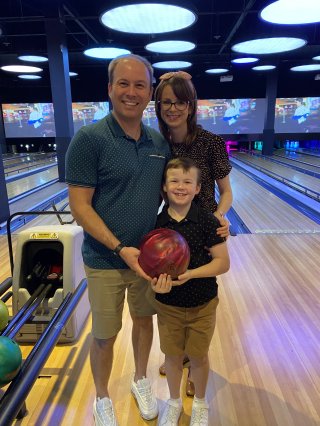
186	307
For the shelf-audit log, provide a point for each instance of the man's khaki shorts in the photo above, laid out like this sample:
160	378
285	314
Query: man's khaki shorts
186	330
106	289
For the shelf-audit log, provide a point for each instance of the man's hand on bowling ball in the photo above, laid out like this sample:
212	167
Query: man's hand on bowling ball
130	256
162	284
182	278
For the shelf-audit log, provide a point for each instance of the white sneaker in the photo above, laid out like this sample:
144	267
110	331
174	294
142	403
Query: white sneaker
103	412
145	399
171	414
200	414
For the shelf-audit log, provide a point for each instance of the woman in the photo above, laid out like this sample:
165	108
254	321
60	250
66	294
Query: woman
176	110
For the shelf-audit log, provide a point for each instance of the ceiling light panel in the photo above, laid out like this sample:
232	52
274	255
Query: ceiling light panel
170	46
105	52
29	77
264	68
216	70
290	12
20	68
148	18
304	68
172	64
267	46
244	60
33	58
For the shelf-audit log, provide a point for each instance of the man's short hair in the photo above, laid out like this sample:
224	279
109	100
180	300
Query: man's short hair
121	58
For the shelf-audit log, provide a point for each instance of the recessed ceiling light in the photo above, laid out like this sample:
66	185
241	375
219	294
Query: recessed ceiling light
292	12
264	68
266	46
105	52
172	64
29	76
170	46
33	58
72	74
244	60
20	68
148	18
317	58
312	67
216	70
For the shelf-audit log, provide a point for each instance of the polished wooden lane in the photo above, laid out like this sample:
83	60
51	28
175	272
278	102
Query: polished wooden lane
264	356
303	179
264	212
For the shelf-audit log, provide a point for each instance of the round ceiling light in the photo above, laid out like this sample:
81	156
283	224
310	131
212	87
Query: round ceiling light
289	12
172	64
265	46
105	52
264	68
146	18
29	76
316	58
216	70
244	60
170	46
33	58
20	68
72	74
305	68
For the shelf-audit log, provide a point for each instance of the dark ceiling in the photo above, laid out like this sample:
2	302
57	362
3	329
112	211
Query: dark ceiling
220	24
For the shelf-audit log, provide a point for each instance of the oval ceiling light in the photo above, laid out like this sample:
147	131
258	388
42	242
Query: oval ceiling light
106	52
172	64
316	58
244	60
72	74
301	68
29	77
216	70
146	18
265	46
290	12
33	58
264	68
170	46
20	68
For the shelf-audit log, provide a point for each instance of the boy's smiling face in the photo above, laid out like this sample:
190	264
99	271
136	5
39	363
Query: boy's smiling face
181	186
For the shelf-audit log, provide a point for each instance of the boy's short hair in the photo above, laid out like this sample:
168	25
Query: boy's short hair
183	163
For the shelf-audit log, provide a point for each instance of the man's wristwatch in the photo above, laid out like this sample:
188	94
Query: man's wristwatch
117	250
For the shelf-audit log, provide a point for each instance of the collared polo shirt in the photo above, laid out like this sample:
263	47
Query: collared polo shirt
126	175
199	229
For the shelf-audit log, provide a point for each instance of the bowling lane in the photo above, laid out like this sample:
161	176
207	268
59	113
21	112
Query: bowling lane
284	171
16	169
264	212
27	183
27	159
308	159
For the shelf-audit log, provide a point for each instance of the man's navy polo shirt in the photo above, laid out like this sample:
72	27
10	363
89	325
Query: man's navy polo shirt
199	229
127	178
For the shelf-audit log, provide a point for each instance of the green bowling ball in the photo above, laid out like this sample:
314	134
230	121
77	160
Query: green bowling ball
10	360
4	315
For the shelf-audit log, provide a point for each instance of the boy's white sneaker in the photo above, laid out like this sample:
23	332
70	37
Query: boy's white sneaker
103	412
171	414
146	401
200	413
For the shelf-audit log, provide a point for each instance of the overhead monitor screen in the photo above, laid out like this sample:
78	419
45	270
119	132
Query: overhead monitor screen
222	116
85	113
297	115
25	120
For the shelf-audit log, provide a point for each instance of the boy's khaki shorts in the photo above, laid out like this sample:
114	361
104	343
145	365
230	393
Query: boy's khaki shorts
106	289
186	330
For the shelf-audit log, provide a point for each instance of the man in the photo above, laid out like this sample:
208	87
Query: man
114	171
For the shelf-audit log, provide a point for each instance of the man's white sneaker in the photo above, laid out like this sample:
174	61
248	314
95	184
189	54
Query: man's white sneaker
200	414
171	414
103	412
146	401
